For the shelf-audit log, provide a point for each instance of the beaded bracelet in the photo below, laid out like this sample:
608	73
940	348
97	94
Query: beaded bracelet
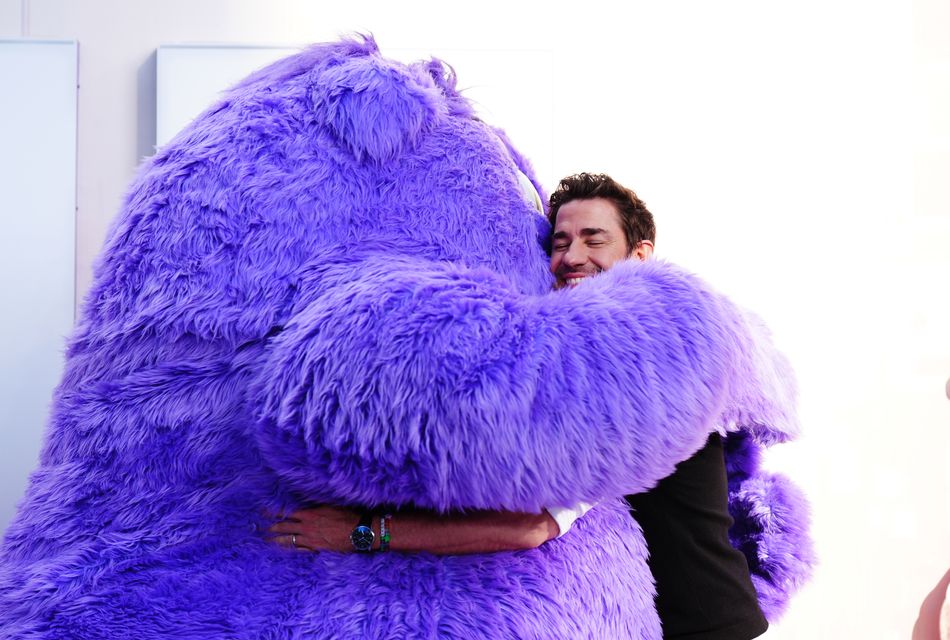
385	531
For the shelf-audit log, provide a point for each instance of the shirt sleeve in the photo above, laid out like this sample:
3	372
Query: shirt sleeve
565	516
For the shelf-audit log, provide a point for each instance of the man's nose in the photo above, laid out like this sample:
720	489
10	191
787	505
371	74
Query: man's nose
575	254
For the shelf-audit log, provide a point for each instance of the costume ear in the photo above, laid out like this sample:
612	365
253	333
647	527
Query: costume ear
375	107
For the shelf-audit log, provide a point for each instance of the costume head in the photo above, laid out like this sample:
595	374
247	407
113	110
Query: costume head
331	288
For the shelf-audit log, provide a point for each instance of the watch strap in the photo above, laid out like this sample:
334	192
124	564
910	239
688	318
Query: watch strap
385	531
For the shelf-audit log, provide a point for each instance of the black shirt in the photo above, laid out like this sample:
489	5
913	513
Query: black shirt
704	591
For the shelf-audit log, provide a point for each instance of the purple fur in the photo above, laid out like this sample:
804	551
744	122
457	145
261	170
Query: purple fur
771	525
331	287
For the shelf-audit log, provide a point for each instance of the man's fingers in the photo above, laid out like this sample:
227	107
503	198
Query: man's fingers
280	515
284	540
292	541
285	527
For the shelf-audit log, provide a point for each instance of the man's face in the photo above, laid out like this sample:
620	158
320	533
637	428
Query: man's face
588	239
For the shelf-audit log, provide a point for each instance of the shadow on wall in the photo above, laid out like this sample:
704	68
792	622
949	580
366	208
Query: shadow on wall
147	109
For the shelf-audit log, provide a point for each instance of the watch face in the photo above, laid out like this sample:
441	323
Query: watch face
362	538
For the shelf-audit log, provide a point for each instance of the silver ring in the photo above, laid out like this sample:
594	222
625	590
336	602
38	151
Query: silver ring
293	539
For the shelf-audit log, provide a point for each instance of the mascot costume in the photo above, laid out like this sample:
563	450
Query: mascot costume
332	288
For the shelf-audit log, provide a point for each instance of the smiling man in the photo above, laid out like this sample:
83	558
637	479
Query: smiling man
596	222
704	589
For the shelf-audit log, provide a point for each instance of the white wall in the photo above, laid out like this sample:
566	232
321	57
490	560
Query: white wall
37	245
794	154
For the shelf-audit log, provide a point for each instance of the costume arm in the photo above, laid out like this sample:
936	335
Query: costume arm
442	387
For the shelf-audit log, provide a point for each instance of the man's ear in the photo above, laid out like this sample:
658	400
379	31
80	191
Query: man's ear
376	108
643	251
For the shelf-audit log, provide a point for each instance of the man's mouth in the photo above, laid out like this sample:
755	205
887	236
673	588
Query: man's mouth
573	279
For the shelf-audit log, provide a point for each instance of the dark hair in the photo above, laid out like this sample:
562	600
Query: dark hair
635	218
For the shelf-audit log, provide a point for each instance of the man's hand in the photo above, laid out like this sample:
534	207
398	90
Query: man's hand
323	528
328	528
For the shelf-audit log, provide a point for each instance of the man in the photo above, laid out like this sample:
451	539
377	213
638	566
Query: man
703	584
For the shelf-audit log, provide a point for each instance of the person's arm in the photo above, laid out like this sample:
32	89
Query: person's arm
328	528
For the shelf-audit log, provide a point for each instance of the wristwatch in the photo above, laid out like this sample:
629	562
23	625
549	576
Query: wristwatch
363	536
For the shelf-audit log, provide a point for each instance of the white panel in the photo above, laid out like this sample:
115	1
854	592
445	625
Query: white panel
37	244
190	77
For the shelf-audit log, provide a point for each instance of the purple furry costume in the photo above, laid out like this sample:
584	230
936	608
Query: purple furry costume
331	288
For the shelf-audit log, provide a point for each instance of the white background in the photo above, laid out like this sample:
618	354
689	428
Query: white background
795	154
190	77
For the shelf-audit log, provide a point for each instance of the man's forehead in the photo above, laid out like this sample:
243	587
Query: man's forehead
590	213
